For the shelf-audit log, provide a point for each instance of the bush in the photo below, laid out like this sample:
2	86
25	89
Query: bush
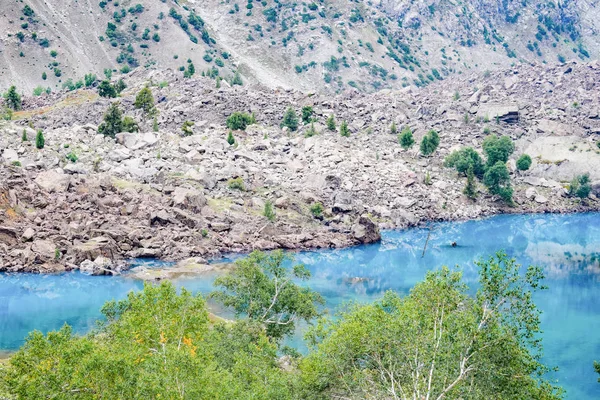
236	184
316	210
524	162
24	136
268	211
406	139
112	121
497	149
307	113
129	125
463	160
331	123
580	186
71	157
290	120
186	128
145	101
344	131
238	121
429	143
497	180
40	141
471	187
89	79
105	89
230	138
311	131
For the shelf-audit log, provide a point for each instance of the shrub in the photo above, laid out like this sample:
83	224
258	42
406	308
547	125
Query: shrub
344	131
112	121
13	99
497	180
316	210
186	128
145	101
524	162
465	159
307	113
268	211
429	143
120	86
238	121
393	128
24	136
230	138
44	76
580	186
331	123
129	125
89	79
406	139
471	187
40	141
311	131
105	89
497	149
236	184
38	91
290	119
71	157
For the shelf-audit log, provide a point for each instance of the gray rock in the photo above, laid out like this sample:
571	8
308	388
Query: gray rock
365	230
188	199
53	181
28	234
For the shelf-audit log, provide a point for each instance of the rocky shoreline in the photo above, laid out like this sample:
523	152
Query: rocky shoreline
163	195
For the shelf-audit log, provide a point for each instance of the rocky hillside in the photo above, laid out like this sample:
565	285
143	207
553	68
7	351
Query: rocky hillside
162	192
325	45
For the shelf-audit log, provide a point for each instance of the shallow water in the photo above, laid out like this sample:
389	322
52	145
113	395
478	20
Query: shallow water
568	246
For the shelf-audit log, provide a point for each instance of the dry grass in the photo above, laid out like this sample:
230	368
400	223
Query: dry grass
75	98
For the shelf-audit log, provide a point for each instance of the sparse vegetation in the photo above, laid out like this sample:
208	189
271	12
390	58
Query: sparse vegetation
344	131
236	184
145	101
40	141
406	138
290	120
429	143
186	128
238	121
524	162
230	138
13	99
307	113
580	186
268	211
112	123
331	123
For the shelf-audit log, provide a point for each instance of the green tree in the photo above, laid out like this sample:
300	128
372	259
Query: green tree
580	186
307	113
129	125
464	159
24	136
89	79
13	99
406	138
238	121
429	143
597	368
120	86
268	211
524	162
105	89
344	131
331	123
230	138
471	187
113	123
438	342
262	288
108	73
145	101
290	119
497	180
40	141
497	149
317	210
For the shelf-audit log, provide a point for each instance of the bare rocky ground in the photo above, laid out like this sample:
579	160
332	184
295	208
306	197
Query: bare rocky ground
160	194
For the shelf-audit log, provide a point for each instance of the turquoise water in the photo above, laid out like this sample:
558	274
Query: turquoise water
568	246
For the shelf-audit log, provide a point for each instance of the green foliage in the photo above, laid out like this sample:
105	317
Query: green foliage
120	86
406	139
344	131
312	131
597	368
13	99
145	101
24	136
497	149
437	342
236	184
40	141
238	121
290	119
105	89
72	157
316	209
427	179
393	128
186	128
429	143
465	159
237	79
7	114
497	180
108	73
262	288
89	79
307	113
38	91
470	189
331	123
524	162
230	138
112	121
154	124
580	186
129	125
268	211
44	76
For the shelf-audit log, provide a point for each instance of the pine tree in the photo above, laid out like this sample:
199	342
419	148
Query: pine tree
230	138
290	119
13	100
145	101
113	122
471	188
344	129
40	142
331	123
24	136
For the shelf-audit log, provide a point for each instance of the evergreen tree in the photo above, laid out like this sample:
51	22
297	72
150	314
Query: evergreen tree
113	122
24	136
268	211
344	131
13	99
145	101
429	143
290	119
331	123
40	142
237	79
307	113
471	187
105	89
230	138
406	138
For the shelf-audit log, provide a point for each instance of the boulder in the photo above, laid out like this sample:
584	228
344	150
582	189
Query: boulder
94	248
9	156
44	250
28	234
342	202
508	113
188	199
54	180
365	230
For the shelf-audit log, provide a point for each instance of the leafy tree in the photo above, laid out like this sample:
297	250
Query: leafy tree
129	125
230	138
331	123
238	121
290	119
429	143
344	131
268	211
464	159
40	141
191	70
262	287
307	113
145	101
13	99
406	138
497	180
113	123
471	187
524	162
497	149
438	342
105	89
580	186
